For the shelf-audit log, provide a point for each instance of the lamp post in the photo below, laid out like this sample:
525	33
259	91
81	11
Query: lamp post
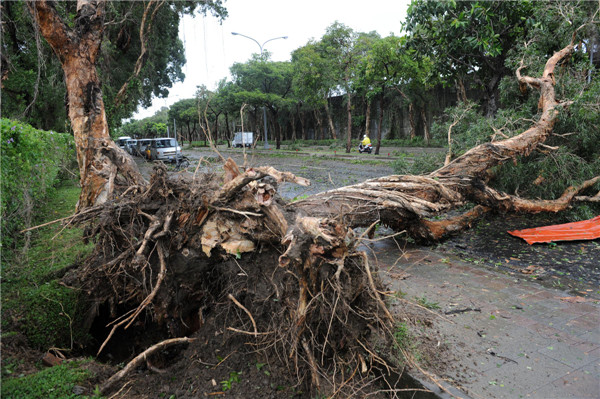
261	46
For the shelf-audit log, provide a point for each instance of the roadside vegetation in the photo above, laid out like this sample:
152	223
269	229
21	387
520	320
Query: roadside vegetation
38	186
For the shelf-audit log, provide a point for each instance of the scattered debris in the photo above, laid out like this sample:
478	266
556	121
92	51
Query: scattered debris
463	310
574	299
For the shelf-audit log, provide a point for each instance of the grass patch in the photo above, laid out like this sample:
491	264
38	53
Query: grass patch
426	303
55	382
33	301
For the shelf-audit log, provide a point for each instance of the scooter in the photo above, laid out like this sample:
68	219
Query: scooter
365	148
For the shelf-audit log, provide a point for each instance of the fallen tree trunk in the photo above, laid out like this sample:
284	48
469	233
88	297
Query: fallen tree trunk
405	202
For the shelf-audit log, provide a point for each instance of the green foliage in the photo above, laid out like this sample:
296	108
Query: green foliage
35	73
423	301
421	164
52	383
401	336
32	162
33	89
234	377
47	313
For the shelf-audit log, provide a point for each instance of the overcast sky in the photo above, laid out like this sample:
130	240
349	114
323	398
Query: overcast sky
211	49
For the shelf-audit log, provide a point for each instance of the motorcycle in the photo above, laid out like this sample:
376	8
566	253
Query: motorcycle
365	148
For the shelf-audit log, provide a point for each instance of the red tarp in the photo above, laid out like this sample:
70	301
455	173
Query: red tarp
584	230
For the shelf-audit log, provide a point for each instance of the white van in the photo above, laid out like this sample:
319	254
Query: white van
243	139
164	149
121	141
130	146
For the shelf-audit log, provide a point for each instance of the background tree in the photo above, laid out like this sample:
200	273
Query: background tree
469	40
338	42
264	83
313	79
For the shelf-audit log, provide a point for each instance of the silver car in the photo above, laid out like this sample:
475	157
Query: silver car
164	149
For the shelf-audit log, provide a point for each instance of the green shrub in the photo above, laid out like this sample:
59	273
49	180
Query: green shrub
414	142
51	314
52	383
32	161
420	165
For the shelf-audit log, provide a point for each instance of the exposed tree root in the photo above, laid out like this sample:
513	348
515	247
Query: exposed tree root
142	357
165	258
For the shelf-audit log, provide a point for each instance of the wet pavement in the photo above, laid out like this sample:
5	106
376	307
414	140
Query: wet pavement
507	337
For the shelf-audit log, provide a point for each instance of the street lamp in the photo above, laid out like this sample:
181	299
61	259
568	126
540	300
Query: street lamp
261	46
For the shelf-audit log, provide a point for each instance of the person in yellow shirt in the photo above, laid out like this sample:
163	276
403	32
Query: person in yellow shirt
365	143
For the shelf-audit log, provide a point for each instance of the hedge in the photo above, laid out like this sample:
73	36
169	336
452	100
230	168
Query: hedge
32	162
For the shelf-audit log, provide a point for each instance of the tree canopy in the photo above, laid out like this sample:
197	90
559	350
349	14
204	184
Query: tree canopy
141	57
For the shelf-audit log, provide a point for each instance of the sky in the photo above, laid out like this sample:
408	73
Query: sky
210	48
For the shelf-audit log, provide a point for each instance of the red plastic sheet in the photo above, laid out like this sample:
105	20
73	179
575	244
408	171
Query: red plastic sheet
584	230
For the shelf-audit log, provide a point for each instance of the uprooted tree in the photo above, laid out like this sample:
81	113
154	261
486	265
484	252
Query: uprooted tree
174	252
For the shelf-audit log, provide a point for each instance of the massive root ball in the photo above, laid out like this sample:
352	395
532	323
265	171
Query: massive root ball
176	253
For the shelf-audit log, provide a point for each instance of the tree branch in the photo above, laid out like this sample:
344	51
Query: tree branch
53	28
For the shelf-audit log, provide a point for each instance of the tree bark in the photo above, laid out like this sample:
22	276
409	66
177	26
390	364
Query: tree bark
329	119
379	123
426	134
98	157
368	119
349	113
411	121
319	129
302	126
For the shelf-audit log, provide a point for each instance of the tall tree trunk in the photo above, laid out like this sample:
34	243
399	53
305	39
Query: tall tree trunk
99	159
411	121
227	130
329	119
349	112
277	130
302	125
461	92
368	119
319	130
379	123
293	121
490	88
426	134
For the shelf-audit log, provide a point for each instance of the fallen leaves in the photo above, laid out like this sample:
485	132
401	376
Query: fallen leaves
531	269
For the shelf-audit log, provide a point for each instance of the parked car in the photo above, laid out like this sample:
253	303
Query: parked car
243	139
164	149
121	141
130	146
